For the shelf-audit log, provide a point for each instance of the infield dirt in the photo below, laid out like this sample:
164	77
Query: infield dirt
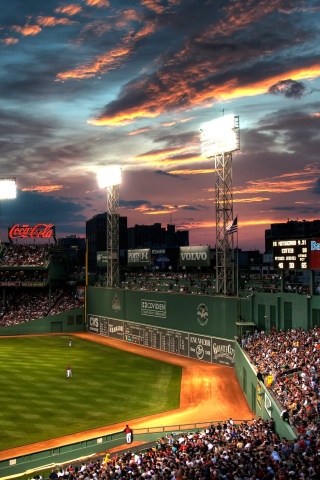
208	392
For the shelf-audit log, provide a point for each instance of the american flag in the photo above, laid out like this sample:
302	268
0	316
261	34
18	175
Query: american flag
232	227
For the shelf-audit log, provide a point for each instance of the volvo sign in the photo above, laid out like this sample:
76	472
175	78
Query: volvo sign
195	256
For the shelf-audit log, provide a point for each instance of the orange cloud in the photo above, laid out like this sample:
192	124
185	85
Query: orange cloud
103	63
169	157
300	180
275	187
43	188
140	130
53	21
251	199
70	10
9	41
27	30
98	3
192	172
179	92
154	5
110	60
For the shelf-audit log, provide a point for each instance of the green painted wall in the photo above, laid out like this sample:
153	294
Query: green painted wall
257	395
282	310
71	321
285	311
181	312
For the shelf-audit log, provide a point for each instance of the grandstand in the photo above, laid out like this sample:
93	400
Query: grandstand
34	284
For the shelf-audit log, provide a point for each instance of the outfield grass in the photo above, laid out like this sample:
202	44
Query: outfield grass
38	402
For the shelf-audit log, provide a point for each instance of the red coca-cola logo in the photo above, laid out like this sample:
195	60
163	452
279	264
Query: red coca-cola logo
41	230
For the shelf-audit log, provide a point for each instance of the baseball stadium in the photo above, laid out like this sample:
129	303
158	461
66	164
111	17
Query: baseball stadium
165	362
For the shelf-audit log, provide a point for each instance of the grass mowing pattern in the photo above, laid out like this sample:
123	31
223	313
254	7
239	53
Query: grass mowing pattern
108	386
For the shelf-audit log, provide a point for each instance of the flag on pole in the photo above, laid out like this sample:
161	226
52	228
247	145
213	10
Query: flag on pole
232	227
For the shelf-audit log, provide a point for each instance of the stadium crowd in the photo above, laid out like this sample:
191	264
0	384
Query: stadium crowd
194	283
27	255
20	300
289	363
248	451
22	307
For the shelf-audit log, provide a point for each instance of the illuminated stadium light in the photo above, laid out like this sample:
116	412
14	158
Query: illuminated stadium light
109	176
220	136
8	188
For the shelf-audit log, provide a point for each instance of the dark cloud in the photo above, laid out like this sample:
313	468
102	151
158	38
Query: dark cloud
33	208
288	88
168	174
134	203
316	188
191	208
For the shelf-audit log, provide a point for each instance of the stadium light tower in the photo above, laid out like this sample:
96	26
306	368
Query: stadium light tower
109	178
8	190
219	138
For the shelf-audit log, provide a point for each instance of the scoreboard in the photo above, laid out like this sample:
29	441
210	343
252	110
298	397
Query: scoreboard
192	345
291	254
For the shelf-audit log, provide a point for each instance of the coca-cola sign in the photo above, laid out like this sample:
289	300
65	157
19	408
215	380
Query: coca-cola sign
41	230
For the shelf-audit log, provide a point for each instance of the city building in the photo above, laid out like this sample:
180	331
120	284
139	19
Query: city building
96	234
156	236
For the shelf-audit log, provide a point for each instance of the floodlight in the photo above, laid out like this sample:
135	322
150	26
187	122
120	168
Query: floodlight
220	136
109	176
8	188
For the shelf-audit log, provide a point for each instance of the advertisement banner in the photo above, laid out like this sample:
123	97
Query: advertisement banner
314	254
116	329
139	257
93	324
154	308
80	293
102	259
223	351
40	230
200	347
195	256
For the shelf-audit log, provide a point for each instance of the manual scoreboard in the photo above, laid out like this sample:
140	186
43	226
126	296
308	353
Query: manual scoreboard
291	254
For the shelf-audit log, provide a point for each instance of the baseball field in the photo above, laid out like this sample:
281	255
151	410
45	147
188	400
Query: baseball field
108	386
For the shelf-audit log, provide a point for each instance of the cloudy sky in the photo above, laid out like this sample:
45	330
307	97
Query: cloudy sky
91	83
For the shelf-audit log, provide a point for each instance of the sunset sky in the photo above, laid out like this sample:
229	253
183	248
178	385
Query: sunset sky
91	83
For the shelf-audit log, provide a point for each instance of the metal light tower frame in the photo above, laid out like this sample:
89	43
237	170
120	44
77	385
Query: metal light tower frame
219	139
110	179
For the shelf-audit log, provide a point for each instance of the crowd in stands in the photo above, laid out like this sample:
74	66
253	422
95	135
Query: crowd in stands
21	306
196	283
289	363
20	300
204	283
65	301
22	276
25	254
247	451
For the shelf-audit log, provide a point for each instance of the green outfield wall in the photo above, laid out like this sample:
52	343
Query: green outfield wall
206	314
70	321
202	314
